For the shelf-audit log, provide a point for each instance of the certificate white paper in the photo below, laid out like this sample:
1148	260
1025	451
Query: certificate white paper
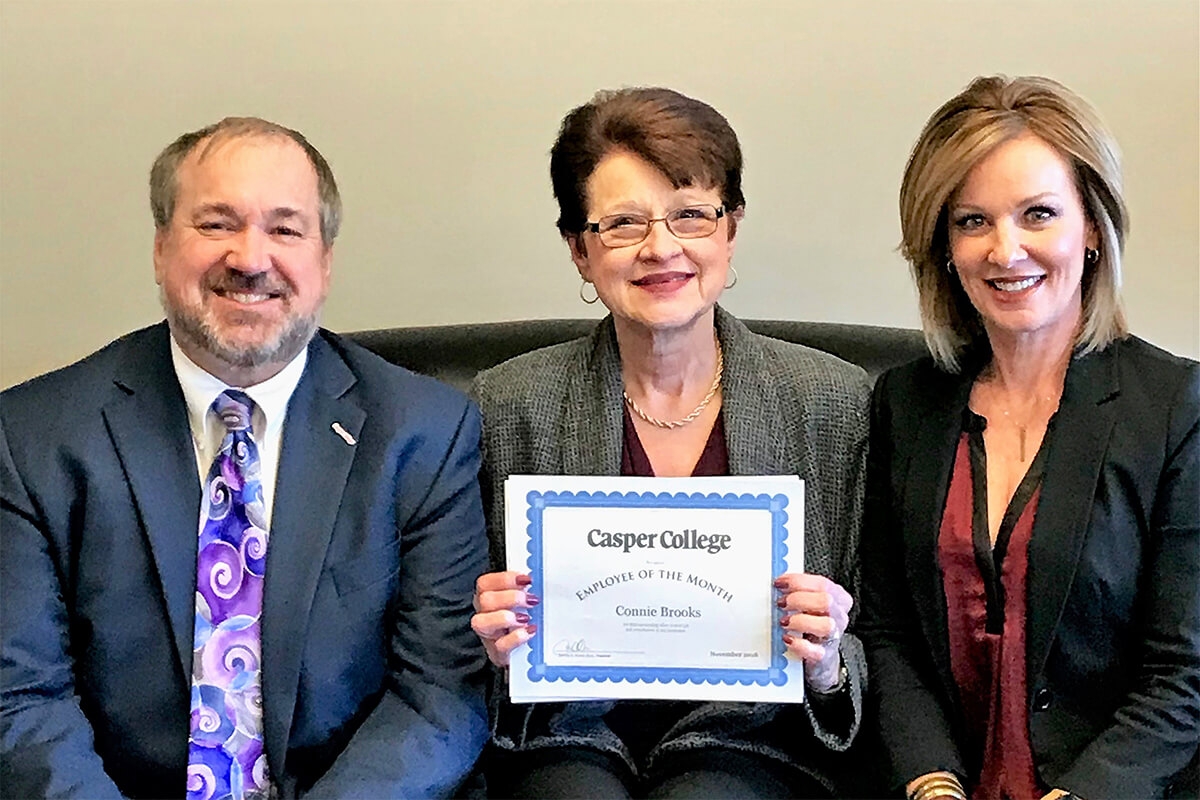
655	587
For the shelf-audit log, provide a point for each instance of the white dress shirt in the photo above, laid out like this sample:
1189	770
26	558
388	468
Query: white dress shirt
270	398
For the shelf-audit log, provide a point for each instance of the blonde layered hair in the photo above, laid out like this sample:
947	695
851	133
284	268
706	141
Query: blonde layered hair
960	134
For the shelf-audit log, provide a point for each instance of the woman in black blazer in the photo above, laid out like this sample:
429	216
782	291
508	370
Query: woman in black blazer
1031	548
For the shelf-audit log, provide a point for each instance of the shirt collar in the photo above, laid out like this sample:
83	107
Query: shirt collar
270	397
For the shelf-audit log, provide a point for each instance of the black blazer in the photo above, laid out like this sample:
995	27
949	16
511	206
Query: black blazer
372	677
1113	628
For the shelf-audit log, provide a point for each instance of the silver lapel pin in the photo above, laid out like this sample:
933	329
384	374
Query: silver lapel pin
345	434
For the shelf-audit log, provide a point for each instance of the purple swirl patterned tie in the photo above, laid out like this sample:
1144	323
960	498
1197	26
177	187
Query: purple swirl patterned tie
225	746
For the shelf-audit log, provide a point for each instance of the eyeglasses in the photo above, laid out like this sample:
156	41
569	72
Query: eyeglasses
689	222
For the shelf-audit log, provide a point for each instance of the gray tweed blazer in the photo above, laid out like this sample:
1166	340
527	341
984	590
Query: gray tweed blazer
789	410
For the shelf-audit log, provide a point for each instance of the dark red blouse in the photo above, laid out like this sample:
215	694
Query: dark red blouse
713	461
985	603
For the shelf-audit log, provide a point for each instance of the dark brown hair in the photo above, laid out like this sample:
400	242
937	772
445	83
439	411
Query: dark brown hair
685	139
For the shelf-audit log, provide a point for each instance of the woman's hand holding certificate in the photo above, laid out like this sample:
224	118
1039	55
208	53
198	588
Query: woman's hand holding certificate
501	619
818	613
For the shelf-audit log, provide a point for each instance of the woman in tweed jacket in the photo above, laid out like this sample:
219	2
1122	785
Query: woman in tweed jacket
592	407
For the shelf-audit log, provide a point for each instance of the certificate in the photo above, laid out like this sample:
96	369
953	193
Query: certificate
655	588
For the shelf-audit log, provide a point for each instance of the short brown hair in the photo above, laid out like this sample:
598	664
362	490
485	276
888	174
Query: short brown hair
960	134
685	139
164	184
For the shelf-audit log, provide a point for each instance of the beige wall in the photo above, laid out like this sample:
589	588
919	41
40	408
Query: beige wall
438	116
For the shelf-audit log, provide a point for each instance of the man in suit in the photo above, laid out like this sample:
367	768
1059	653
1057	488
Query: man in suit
135	661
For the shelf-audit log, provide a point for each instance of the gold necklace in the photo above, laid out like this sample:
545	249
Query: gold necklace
1002	397
696	412
1029	417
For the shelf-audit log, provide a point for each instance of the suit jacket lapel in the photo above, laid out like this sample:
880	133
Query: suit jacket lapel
314	463
1081	432
747	399
147	420
926	484
592	422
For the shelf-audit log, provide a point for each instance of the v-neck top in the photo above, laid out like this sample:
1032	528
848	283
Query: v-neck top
713	461
985	588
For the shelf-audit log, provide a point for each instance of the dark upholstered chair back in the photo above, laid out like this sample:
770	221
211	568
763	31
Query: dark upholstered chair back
455	353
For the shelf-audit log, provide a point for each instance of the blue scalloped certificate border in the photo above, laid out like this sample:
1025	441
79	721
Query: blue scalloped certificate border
774	675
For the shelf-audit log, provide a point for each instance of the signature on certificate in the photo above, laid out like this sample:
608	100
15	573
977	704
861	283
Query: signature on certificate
580	649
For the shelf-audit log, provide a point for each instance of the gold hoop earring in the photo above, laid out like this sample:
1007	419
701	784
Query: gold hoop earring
583	298
733	282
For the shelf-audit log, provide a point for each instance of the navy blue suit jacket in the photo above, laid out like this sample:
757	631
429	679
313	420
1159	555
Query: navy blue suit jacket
371	674
1113	588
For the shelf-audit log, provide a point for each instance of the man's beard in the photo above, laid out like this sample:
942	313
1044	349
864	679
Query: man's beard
196	327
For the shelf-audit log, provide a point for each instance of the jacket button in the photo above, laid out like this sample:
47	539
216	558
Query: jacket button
1041	700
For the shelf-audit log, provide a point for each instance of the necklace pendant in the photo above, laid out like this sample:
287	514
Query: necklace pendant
1021	435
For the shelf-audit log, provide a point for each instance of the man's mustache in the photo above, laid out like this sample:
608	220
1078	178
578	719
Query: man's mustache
232	280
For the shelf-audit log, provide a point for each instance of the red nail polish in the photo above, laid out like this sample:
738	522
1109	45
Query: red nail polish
780	583
524	580
531	599
532	629
787	639
784	620
522	617
781	602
